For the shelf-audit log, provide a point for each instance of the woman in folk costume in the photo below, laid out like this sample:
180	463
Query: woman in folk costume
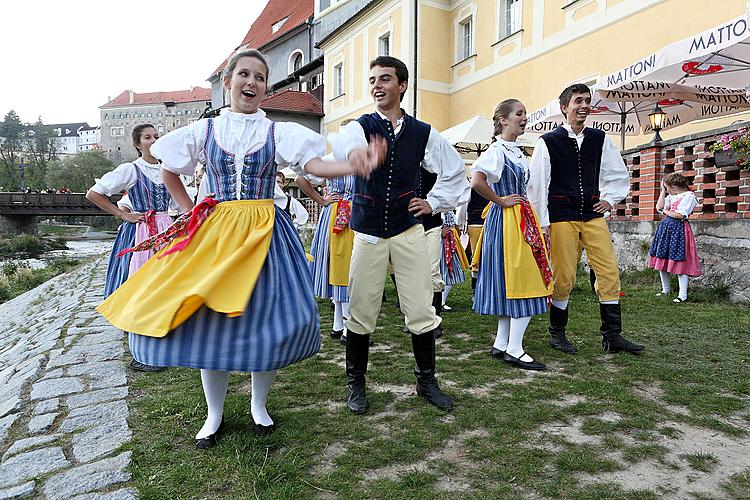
143	210
332	245
453	261
233	292
514	277
147	201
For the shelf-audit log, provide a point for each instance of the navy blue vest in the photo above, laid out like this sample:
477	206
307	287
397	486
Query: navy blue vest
426	182
574	182
477	204
380	206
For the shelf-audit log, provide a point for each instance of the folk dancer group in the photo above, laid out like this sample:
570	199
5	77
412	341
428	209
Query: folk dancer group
230	287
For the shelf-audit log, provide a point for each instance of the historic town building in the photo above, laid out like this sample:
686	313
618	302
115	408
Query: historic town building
164	110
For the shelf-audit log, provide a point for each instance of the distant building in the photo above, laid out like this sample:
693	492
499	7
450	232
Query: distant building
68	137
89	138
164	110
285	33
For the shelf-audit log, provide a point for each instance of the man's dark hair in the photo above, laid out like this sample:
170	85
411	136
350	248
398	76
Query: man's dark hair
402	72
576	88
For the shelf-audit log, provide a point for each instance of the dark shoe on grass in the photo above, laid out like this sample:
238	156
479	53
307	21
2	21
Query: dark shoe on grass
143	367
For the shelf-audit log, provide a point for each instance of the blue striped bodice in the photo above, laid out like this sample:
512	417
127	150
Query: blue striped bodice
343	186
257	177
513	179
146	195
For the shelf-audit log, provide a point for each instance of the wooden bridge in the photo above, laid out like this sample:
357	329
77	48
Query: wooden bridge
17	210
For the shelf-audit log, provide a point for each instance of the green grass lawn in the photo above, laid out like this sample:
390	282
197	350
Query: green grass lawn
671	422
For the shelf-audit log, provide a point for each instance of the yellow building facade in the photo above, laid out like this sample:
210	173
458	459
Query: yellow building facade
472	54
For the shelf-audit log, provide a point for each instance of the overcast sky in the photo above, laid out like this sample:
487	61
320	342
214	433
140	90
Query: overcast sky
62	59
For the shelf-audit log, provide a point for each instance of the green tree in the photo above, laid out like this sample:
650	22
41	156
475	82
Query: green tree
11	147
77	172
40	147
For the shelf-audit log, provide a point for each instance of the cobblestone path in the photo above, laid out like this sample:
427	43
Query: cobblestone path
63	414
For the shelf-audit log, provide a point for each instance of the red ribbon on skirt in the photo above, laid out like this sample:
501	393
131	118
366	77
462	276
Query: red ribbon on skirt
449	248
186	225
534	238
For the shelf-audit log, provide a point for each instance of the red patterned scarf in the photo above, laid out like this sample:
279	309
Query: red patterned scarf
534	238
186	224
343	215
449	248
149	218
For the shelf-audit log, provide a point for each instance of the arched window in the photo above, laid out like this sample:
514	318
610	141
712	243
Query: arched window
296	61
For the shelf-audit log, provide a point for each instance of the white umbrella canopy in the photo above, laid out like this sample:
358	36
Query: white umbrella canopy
472	136
711	67
614	114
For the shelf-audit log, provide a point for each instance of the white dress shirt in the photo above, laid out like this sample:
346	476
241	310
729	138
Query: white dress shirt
451	188
614	179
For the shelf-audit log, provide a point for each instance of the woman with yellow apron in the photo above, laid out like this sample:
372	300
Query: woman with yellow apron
514	278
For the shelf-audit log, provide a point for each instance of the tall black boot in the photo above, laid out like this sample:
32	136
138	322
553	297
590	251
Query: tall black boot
558	320
427	386
473	283
357	352
592	280
437	303
393	279
611	330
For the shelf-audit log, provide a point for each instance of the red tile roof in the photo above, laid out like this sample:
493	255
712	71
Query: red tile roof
128	98
293	101
260	33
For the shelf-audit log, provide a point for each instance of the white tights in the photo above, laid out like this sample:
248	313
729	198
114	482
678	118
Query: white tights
682	280
446	291
342	310
509	338
215	385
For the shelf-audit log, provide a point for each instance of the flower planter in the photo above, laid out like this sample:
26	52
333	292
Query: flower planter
725	158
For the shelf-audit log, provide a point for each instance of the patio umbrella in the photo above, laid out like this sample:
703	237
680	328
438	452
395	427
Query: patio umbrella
472	136
627	115
711	68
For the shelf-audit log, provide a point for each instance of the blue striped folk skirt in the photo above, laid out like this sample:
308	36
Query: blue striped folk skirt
489	295
456	275
280	326
319	266
117	269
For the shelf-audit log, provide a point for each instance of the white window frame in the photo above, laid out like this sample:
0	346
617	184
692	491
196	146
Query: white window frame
465	38
117	131
338	80
292	57
507	27
384	44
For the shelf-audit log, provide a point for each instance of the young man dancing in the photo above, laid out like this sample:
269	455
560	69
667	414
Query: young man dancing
385	217
576	176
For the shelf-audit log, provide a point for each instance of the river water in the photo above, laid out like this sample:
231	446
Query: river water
76	248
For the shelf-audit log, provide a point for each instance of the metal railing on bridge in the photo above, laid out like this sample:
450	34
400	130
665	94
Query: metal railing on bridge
49	204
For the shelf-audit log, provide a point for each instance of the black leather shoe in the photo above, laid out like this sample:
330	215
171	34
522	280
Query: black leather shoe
525	365
143	367
336	334
405	330
560	342
210	441
263	430
619	343
497	353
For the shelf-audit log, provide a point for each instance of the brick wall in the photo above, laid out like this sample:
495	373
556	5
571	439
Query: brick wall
723	191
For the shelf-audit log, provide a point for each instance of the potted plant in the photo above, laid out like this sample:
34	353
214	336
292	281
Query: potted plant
733	149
